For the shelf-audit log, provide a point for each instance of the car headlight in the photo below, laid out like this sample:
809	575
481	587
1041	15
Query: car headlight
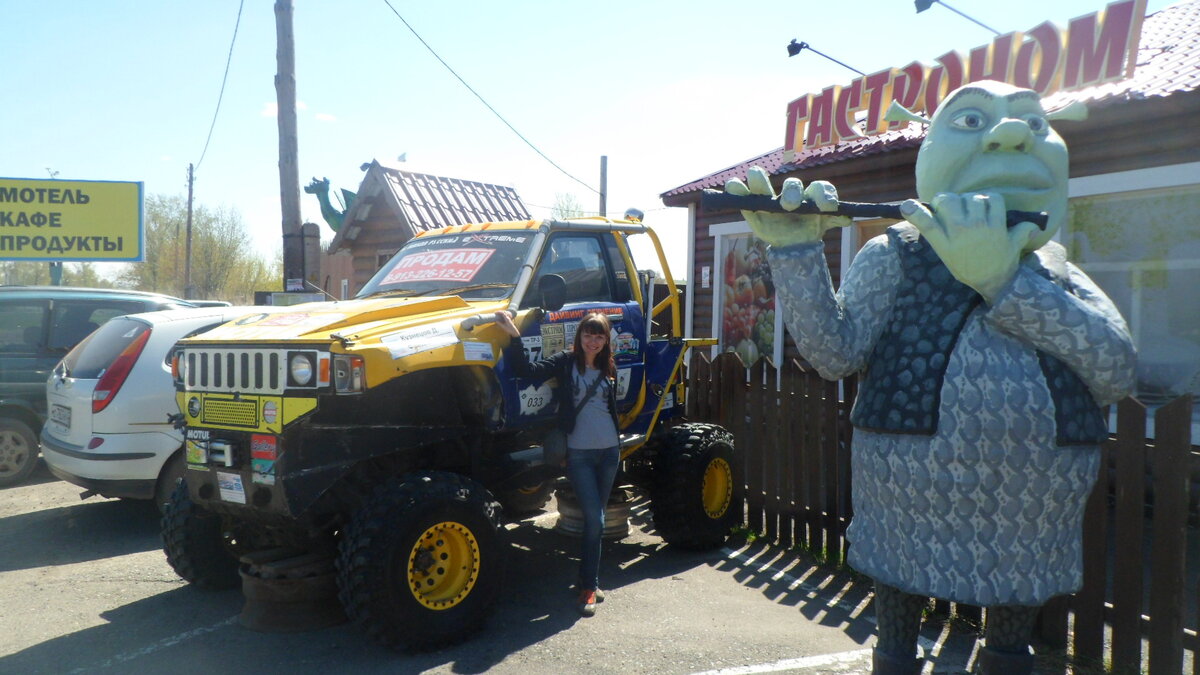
348	374
193	406
300	367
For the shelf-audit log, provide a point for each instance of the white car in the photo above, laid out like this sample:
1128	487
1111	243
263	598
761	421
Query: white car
110	400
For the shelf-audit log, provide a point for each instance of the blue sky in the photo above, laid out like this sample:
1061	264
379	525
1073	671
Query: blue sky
669	91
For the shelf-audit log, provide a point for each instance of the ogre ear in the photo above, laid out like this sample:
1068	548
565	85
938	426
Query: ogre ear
1075	111
898	113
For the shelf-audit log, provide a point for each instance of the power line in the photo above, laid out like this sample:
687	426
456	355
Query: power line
485	103
224	79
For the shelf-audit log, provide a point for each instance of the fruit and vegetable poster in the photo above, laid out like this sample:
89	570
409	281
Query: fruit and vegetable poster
748	300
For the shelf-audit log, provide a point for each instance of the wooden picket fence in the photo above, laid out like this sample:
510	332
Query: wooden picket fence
1135	612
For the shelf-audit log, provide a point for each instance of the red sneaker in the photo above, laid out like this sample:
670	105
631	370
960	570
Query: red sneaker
587	602
599	593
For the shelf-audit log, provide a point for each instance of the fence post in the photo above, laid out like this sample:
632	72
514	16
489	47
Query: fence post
1088	603
1129	477
811	458
830	453
767	408
1172	432
789	477
751	415
732	399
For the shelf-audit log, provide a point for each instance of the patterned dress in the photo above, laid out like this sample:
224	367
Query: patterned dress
985	505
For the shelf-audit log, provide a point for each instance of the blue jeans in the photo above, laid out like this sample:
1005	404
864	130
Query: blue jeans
591	473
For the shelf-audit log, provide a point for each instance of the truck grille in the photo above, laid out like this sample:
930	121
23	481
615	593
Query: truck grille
231	413
245	371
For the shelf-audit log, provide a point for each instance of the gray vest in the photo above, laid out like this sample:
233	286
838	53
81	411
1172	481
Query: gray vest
901	389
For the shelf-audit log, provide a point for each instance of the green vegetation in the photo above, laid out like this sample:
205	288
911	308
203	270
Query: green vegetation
225	265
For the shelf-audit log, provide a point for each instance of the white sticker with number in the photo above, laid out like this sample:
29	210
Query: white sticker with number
533	348
535	399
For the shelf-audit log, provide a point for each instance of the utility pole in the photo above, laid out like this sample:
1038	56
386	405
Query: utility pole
188	291
603	186
289	170
56	267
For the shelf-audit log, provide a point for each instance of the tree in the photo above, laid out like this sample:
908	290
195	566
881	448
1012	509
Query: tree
566	206
79	274
224	266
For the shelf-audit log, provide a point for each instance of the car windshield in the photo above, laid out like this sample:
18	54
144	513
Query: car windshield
471	264
90	358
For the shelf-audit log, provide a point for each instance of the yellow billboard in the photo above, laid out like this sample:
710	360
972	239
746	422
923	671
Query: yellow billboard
71	220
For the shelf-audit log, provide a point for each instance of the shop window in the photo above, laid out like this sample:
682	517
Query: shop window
746	298
866	230
384	255
1143	249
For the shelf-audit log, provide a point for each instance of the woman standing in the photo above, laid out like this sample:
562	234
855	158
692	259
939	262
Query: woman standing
587	414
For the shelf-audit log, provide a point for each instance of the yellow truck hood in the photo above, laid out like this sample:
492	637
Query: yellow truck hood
350	318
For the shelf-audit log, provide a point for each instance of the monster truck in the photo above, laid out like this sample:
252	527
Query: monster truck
386	432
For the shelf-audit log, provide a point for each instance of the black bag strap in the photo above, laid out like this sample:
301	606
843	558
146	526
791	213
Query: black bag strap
590	390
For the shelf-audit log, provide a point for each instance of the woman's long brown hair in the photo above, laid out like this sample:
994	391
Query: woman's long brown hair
595	323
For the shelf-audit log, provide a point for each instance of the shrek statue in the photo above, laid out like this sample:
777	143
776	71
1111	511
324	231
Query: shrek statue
985	359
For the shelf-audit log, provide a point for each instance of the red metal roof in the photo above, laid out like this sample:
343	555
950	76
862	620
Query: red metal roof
1168	63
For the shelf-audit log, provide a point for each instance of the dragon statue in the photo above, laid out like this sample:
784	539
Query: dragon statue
333	216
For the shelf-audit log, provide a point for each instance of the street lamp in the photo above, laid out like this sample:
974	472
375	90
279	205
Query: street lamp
795	48
923	5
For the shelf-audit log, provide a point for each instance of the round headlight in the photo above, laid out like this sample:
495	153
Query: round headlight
302	370
194	406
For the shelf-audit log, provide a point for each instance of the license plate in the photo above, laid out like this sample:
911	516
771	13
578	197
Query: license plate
60	414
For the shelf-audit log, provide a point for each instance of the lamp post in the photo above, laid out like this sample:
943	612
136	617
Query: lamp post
923	5
795	48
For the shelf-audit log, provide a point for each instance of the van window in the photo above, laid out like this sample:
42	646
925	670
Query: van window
73	320
22	326
92	357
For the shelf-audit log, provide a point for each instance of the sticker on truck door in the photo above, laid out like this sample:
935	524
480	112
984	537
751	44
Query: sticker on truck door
535	399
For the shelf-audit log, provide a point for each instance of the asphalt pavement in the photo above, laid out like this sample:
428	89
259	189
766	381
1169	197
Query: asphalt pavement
85	588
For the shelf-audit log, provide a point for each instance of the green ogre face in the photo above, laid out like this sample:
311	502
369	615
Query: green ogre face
993	137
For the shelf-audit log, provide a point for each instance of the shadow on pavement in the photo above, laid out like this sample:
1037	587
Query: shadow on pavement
186	630
90	530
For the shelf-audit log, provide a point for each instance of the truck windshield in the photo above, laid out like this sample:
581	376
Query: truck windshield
471	264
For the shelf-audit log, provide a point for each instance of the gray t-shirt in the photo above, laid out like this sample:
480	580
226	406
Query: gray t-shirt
594	426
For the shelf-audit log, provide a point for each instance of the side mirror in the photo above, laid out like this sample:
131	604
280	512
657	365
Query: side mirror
553	291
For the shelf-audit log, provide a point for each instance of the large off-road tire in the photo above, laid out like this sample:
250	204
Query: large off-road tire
18	451
523	501
195	543
693	494
419	565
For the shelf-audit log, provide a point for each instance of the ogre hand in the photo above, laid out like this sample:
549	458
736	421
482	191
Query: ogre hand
970	235
786	229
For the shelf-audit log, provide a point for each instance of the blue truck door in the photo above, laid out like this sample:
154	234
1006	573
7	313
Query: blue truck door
584	262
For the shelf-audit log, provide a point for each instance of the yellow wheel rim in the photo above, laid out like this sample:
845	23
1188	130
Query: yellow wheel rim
717	488
443	565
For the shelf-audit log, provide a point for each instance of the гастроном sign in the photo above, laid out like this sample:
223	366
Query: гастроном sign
70	220
1095	48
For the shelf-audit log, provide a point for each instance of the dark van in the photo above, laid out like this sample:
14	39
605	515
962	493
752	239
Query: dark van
38	326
